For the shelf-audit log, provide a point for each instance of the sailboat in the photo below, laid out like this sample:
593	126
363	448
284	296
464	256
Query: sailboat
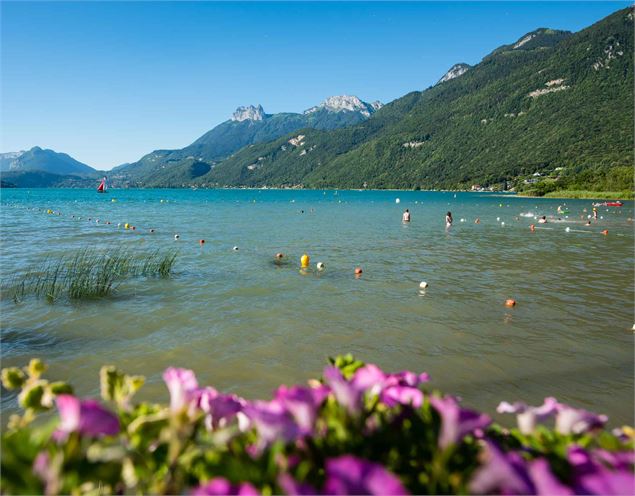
102	186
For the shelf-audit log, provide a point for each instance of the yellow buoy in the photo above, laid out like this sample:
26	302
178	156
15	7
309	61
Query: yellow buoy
304	261
49	211
126	226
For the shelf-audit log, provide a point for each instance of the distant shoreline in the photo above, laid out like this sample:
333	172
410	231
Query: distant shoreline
563	194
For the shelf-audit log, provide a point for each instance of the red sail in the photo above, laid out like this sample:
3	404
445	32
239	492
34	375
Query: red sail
100	188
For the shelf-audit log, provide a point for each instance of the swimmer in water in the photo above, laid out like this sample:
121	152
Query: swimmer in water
406	216
588	222
542	220
448	220
595	213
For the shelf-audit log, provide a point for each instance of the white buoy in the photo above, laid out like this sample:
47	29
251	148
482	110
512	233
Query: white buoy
235	248
567	229
498	219
423	285
320	266
462	220
176	237
601	218
588	216
502	224
397	200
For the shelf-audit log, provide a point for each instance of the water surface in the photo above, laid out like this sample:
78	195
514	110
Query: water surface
246	325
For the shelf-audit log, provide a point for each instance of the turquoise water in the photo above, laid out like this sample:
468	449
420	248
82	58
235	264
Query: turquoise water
246	324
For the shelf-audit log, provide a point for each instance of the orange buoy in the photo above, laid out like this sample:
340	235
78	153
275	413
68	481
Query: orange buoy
605	232
201	241
532	227
510	302
358	271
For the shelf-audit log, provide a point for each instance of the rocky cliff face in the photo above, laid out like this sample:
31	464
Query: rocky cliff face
455	71
348	103
249	112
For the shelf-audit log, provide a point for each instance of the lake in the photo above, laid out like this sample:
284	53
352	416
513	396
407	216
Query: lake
246	324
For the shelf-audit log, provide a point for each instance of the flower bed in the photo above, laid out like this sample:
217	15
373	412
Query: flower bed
357	430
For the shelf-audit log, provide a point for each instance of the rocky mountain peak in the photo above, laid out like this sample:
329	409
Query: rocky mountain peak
249	113
348	103
455	71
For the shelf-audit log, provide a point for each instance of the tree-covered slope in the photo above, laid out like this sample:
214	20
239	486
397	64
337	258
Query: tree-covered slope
551	100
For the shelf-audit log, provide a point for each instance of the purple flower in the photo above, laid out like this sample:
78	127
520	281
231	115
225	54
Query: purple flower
407	378
590	477
350	475
290	486
87	417
182	385
221	487
404	395
577	421
615	459
272	421
219	408
528	416
302	403
501	473
544	481
456	422
345	393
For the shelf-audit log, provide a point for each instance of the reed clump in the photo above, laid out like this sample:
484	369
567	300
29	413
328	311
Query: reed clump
88	274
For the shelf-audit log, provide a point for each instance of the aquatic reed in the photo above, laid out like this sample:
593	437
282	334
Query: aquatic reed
88	273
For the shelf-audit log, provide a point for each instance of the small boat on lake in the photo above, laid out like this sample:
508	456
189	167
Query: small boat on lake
102	186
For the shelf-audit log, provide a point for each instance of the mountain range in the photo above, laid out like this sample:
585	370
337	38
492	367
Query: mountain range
248	125
553	104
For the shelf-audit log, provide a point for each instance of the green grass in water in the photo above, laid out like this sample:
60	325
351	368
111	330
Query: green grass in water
88	274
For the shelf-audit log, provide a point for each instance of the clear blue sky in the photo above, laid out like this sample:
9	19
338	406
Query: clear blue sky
108	82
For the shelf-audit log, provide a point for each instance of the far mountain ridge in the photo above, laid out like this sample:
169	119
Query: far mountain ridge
44	160
248	125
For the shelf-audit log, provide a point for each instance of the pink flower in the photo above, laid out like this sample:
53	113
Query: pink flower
220	486
182	385
87	417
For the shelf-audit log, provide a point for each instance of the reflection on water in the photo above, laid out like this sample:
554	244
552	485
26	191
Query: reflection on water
245	324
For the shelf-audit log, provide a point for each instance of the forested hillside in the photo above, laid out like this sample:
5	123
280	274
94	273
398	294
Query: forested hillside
553	103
